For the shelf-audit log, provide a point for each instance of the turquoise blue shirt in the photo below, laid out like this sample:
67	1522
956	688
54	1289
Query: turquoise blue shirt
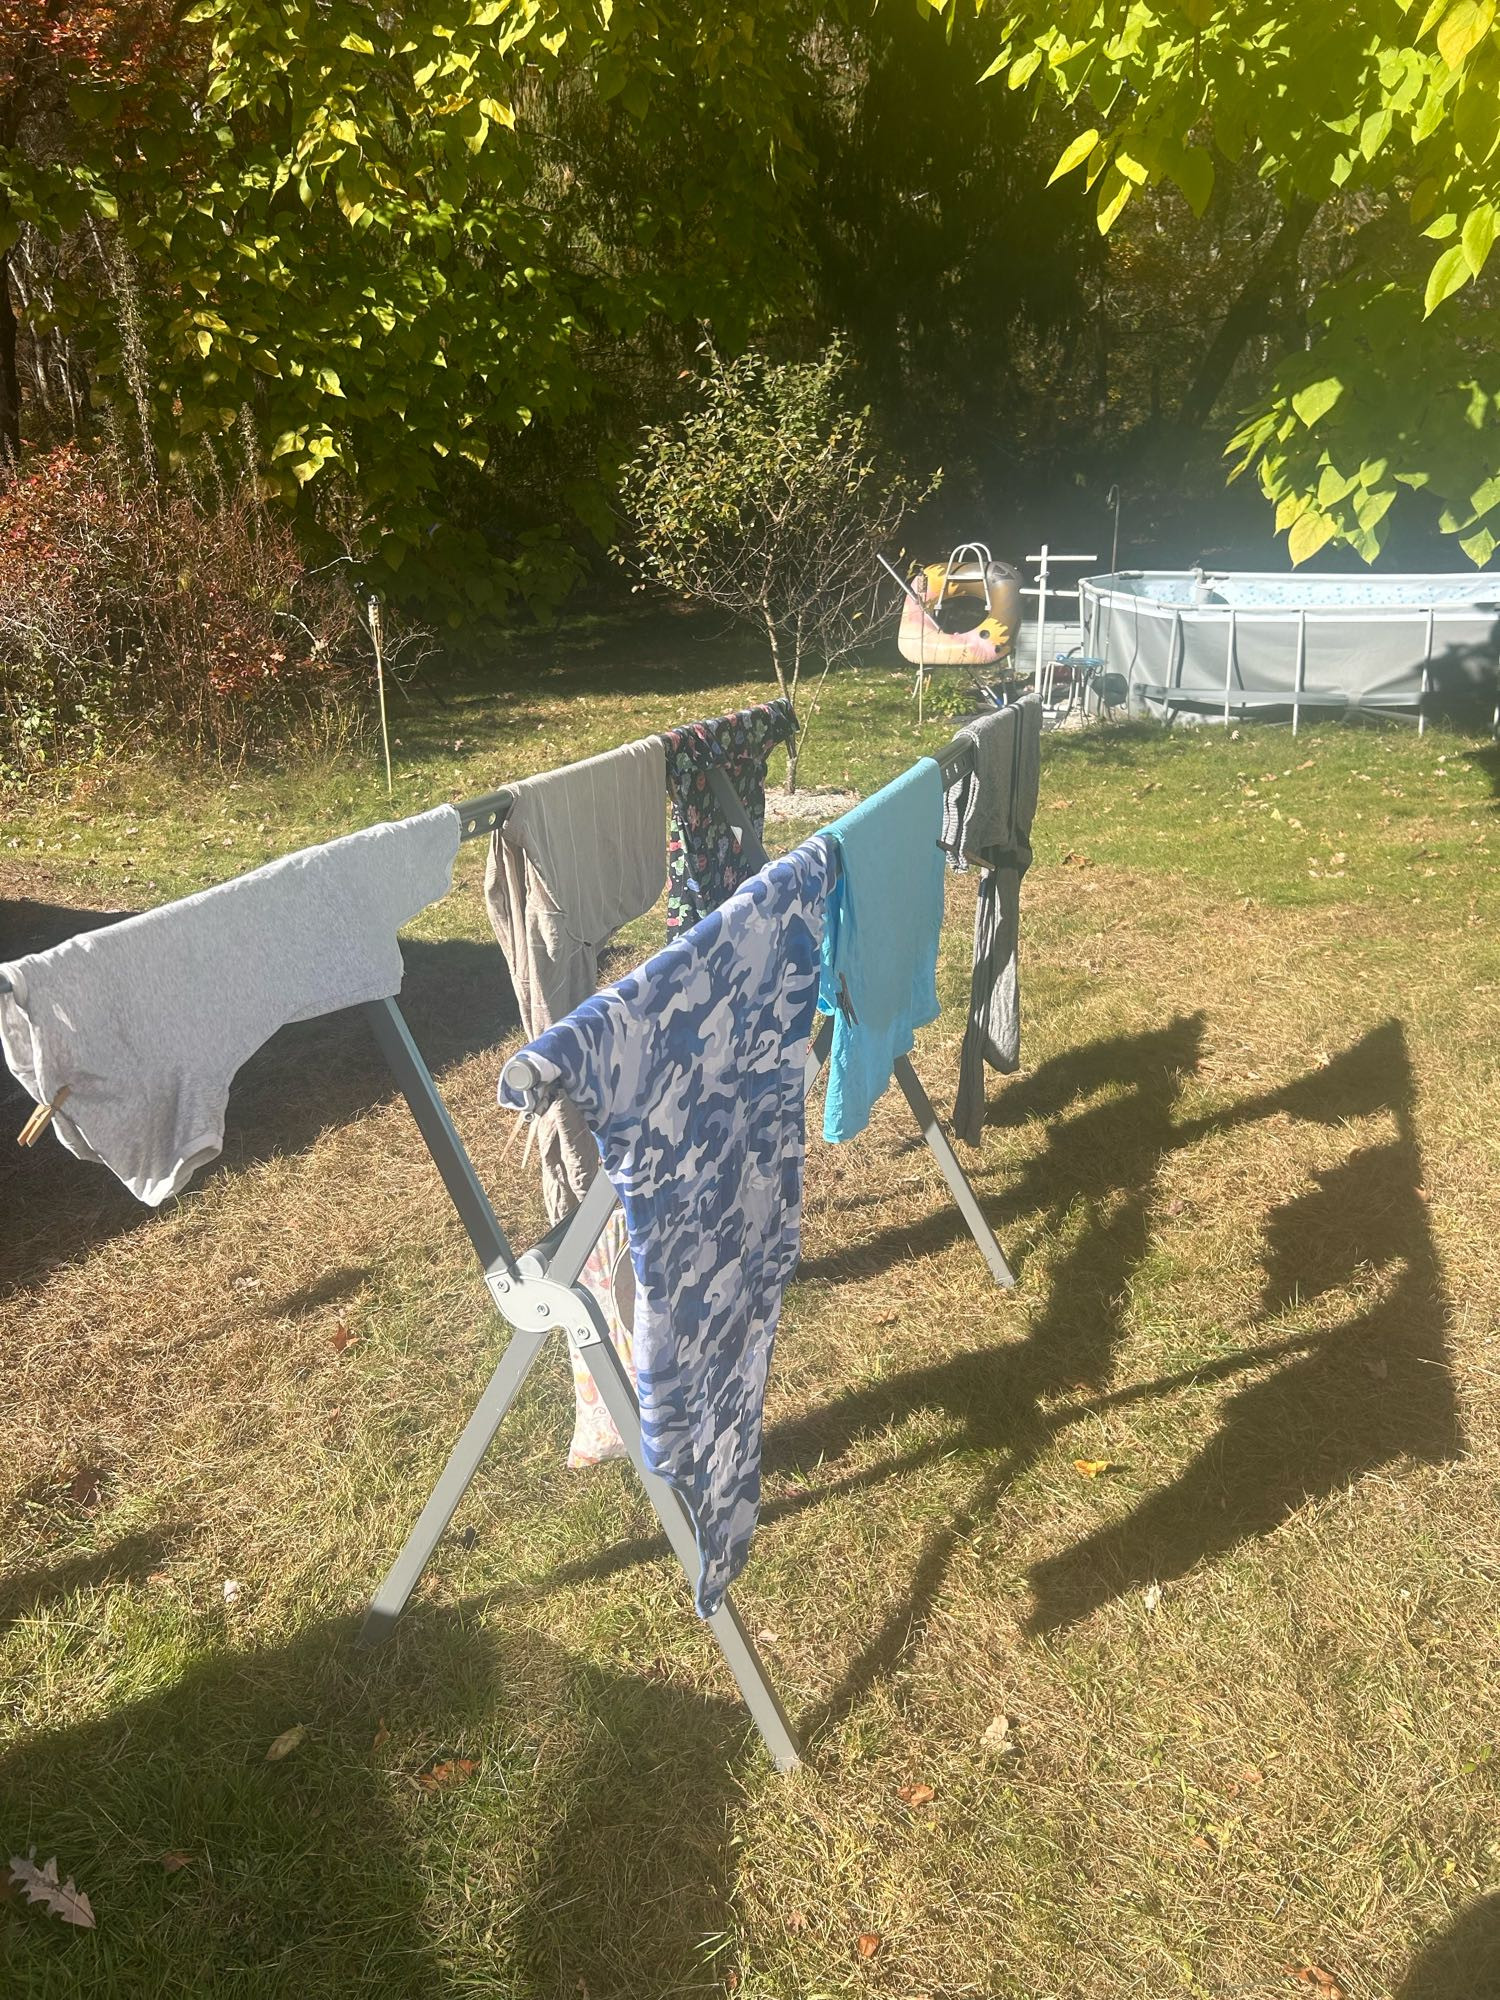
880	940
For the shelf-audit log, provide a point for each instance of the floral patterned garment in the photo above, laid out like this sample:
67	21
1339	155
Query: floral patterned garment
689	1073
704	860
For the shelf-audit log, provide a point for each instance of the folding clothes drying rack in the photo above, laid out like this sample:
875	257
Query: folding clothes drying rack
538	1294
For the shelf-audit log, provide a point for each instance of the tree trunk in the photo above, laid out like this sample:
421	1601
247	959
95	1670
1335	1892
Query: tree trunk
774	640
10	381
1245	317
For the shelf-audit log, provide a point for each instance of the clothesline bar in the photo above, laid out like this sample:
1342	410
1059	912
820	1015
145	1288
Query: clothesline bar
482	816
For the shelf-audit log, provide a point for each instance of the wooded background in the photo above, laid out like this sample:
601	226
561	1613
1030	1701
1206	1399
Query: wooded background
421	274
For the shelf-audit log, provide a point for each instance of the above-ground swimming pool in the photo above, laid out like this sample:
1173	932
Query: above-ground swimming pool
1234	644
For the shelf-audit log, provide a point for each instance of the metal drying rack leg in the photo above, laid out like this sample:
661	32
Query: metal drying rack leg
538	1295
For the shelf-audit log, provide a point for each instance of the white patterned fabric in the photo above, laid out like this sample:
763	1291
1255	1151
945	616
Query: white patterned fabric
609	1276
689	1072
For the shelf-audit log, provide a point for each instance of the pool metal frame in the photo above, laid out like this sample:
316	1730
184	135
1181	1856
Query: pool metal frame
1096	598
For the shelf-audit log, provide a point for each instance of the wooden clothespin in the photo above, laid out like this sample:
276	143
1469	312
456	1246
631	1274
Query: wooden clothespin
41	1118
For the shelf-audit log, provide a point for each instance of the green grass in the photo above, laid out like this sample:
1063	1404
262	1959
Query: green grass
1249	1177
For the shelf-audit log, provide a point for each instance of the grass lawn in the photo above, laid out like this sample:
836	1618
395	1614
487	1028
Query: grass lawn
1221	1721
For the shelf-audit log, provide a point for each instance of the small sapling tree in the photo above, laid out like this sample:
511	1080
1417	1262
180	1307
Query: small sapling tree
768	499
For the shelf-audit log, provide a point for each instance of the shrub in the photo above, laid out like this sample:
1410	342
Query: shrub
131	609
768	498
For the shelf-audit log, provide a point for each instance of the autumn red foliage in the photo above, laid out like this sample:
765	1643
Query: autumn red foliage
129	607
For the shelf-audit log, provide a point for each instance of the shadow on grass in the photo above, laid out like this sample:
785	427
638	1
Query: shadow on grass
1487	760
1463	1963
1371	1390
311	1075
128	1560
1340	1403
589	1851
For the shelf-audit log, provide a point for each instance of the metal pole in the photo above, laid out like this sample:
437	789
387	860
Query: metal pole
579	1314
1426	673
1229	665
958	1181
448	1151
1174	669
1299	677
1041	619
377	640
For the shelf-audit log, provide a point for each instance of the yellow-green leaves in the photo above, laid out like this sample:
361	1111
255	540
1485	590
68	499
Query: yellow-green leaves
1451	272
1310	531
1074	154
1114	192
1317	399
1463	28
1478	236
1193	171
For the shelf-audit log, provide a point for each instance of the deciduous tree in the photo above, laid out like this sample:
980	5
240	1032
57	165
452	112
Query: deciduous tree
1385	118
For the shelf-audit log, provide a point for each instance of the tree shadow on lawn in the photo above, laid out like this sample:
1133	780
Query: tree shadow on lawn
1463	1963
588	1852
311	1075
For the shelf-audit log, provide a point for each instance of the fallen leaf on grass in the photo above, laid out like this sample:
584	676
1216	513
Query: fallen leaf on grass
1322	1983
86	1487
382	1735
867	1943
170	1863
60	1899
796	1920
1072	860
447	1773
1151	1596
287	1742
1092	1467
918	1795
998	1740
233	1590
343	1337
